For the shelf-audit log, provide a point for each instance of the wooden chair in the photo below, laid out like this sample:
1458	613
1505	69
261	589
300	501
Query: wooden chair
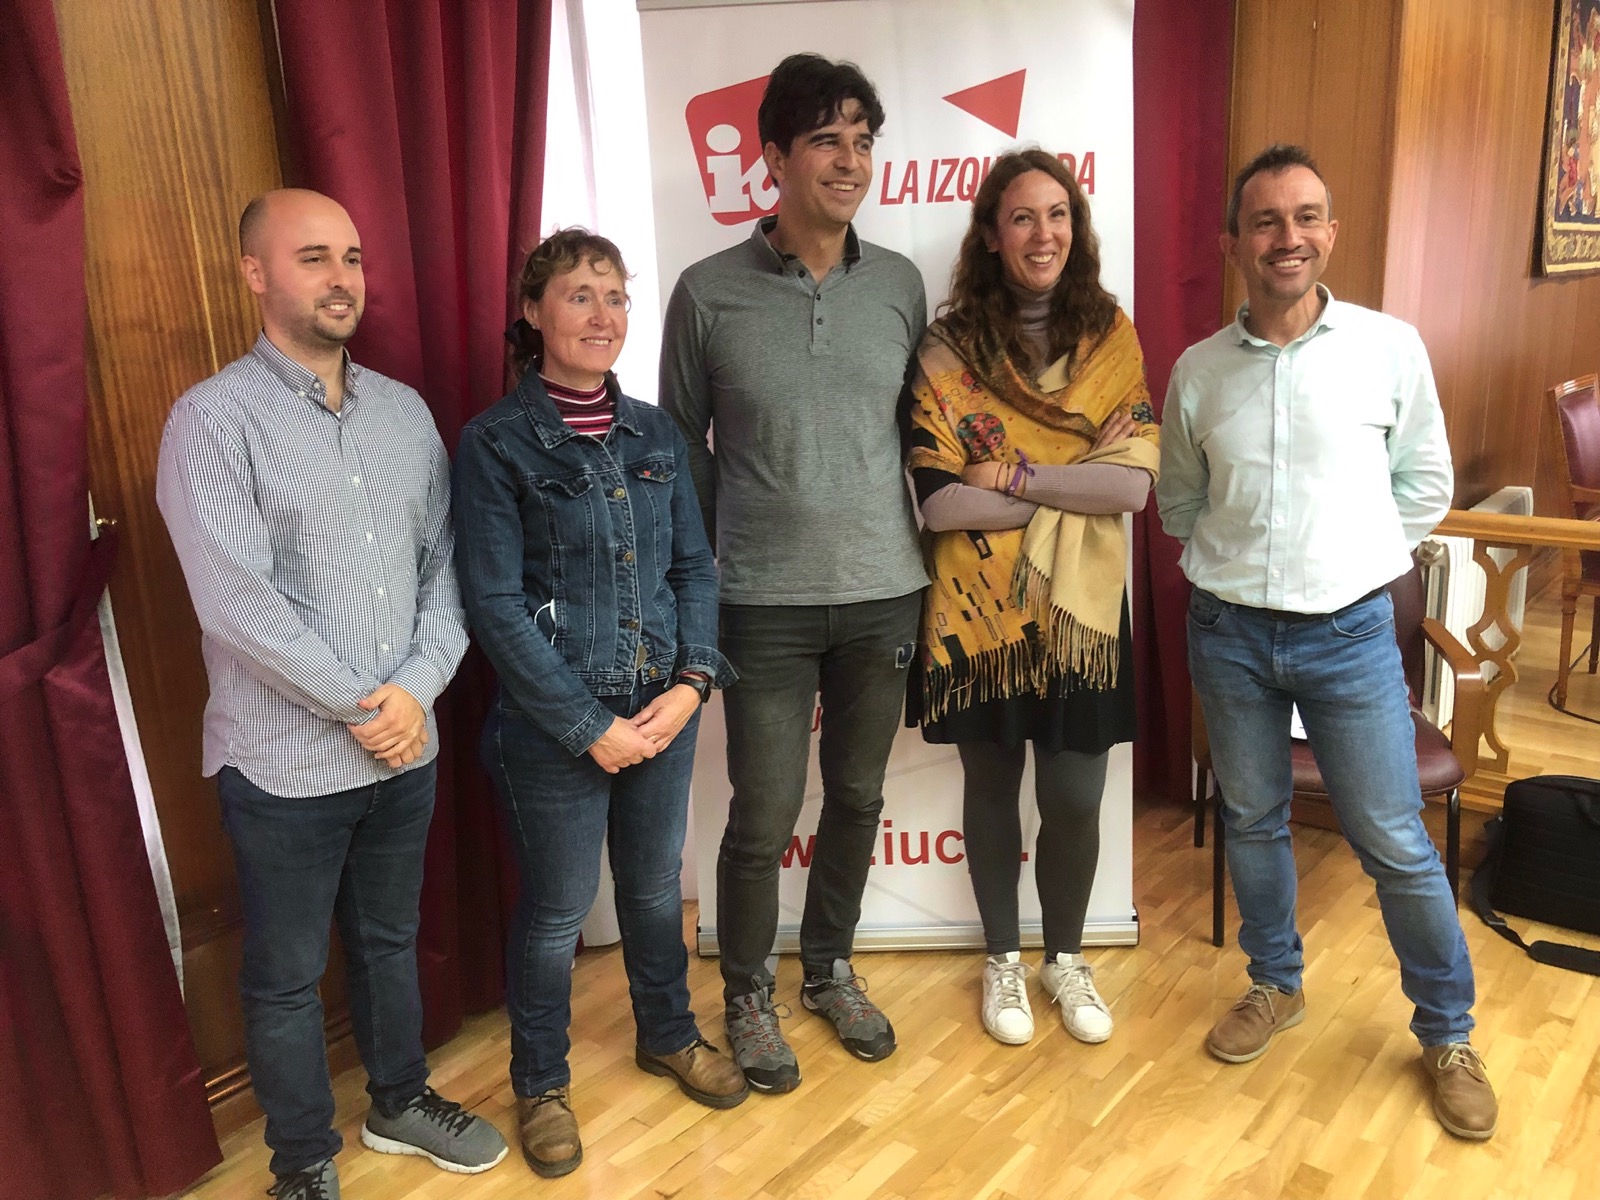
1575	446
1444	762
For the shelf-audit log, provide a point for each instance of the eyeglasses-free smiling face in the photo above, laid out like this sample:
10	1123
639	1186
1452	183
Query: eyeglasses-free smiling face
305	269
583	316
1285	236
823	176
1033	231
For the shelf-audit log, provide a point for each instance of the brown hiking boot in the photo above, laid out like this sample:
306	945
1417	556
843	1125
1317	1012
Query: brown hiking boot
1247	1028
549	1132
703	1073
1462	1098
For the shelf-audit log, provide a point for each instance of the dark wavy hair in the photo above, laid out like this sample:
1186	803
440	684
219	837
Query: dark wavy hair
983	312
806	92
564	250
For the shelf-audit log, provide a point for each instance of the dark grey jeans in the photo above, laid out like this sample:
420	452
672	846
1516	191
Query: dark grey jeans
857	657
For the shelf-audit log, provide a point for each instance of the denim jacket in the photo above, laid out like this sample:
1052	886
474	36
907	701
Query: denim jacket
584	564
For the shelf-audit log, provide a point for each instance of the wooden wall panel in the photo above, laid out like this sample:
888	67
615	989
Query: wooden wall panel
175	129
1321	73
1470	127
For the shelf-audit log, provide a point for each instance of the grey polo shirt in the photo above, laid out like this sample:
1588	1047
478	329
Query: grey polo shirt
797	384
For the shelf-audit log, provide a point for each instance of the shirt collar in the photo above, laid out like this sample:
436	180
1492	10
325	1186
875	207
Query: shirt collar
299	380
547	422
1329	318
780	261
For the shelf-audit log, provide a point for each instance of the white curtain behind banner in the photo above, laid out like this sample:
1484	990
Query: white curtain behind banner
961	81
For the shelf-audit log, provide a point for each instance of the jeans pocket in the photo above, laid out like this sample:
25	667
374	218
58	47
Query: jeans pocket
1363	620
1205	610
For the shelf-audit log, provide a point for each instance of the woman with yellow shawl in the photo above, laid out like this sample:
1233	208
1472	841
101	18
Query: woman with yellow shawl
1031	435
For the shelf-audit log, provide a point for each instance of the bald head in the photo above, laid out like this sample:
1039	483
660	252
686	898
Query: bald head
280	201
302	258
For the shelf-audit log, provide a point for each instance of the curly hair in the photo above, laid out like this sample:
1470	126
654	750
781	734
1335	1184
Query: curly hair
983	312
564	250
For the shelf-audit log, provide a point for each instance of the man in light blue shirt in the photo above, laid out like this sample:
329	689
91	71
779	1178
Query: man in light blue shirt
1303	457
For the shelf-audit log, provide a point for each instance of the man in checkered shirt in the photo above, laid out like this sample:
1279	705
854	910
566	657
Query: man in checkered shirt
308	500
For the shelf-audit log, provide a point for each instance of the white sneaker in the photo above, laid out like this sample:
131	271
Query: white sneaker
1006	1013
1070	981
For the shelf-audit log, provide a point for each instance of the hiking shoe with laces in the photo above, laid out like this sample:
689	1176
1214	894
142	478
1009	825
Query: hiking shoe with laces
860	1023
439	1130
1462	1098
319	1182
548	1131
1247	1029
704	1074
757	1044
1006	1012
1070	981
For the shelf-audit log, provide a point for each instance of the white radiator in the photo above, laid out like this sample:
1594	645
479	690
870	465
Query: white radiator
1455	588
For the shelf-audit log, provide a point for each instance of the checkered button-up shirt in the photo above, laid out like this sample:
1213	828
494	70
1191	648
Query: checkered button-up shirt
317	548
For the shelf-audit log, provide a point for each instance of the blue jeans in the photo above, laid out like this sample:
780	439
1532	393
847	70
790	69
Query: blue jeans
1344	672
558	809
856	656
354	857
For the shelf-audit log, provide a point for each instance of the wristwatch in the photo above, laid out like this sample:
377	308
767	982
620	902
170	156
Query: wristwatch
700	683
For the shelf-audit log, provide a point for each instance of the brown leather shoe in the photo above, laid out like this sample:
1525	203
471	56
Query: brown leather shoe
704	1074
1247	1029
549	1132
1462	1098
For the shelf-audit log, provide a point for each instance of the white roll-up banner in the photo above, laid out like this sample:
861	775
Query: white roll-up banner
961	81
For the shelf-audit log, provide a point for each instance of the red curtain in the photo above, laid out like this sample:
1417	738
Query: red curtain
425	118
100	1087
1182	68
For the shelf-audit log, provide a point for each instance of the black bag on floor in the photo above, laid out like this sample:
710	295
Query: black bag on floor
1544	864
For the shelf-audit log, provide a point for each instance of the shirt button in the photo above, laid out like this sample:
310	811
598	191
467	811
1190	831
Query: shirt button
356	479
369	537
1281	464
380	591
1277	520
627	556
819	320
819	295
618	494
384	647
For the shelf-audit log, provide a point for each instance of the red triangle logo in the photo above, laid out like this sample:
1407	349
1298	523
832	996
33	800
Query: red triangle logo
997	103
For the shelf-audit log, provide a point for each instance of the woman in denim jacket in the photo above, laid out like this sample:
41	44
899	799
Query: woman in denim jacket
590	586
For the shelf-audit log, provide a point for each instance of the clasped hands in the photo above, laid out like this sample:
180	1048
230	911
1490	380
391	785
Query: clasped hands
396	736
631	740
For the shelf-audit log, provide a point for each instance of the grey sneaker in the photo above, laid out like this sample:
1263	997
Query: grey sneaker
439	1130
319	1182
757	1044
861	1025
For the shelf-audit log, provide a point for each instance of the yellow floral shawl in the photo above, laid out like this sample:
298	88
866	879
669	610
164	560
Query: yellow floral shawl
1012	610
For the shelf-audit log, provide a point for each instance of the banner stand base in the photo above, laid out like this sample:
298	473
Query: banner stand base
941	937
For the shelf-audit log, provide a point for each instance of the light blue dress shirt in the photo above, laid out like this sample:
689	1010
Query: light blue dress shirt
1300	478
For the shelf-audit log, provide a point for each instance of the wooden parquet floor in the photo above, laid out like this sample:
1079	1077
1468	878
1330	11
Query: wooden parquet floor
1339	1108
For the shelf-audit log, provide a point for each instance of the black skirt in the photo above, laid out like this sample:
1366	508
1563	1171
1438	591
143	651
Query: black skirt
1068	717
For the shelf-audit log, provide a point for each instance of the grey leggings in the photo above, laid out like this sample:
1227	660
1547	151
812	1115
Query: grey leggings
1068	786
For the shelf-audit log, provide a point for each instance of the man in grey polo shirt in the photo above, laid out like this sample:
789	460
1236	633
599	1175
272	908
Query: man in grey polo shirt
309	502
791	350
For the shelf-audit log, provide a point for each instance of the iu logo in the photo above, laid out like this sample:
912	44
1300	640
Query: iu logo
722	129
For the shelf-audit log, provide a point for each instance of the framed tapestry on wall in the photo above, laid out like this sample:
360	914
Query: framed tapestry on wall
1569	203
